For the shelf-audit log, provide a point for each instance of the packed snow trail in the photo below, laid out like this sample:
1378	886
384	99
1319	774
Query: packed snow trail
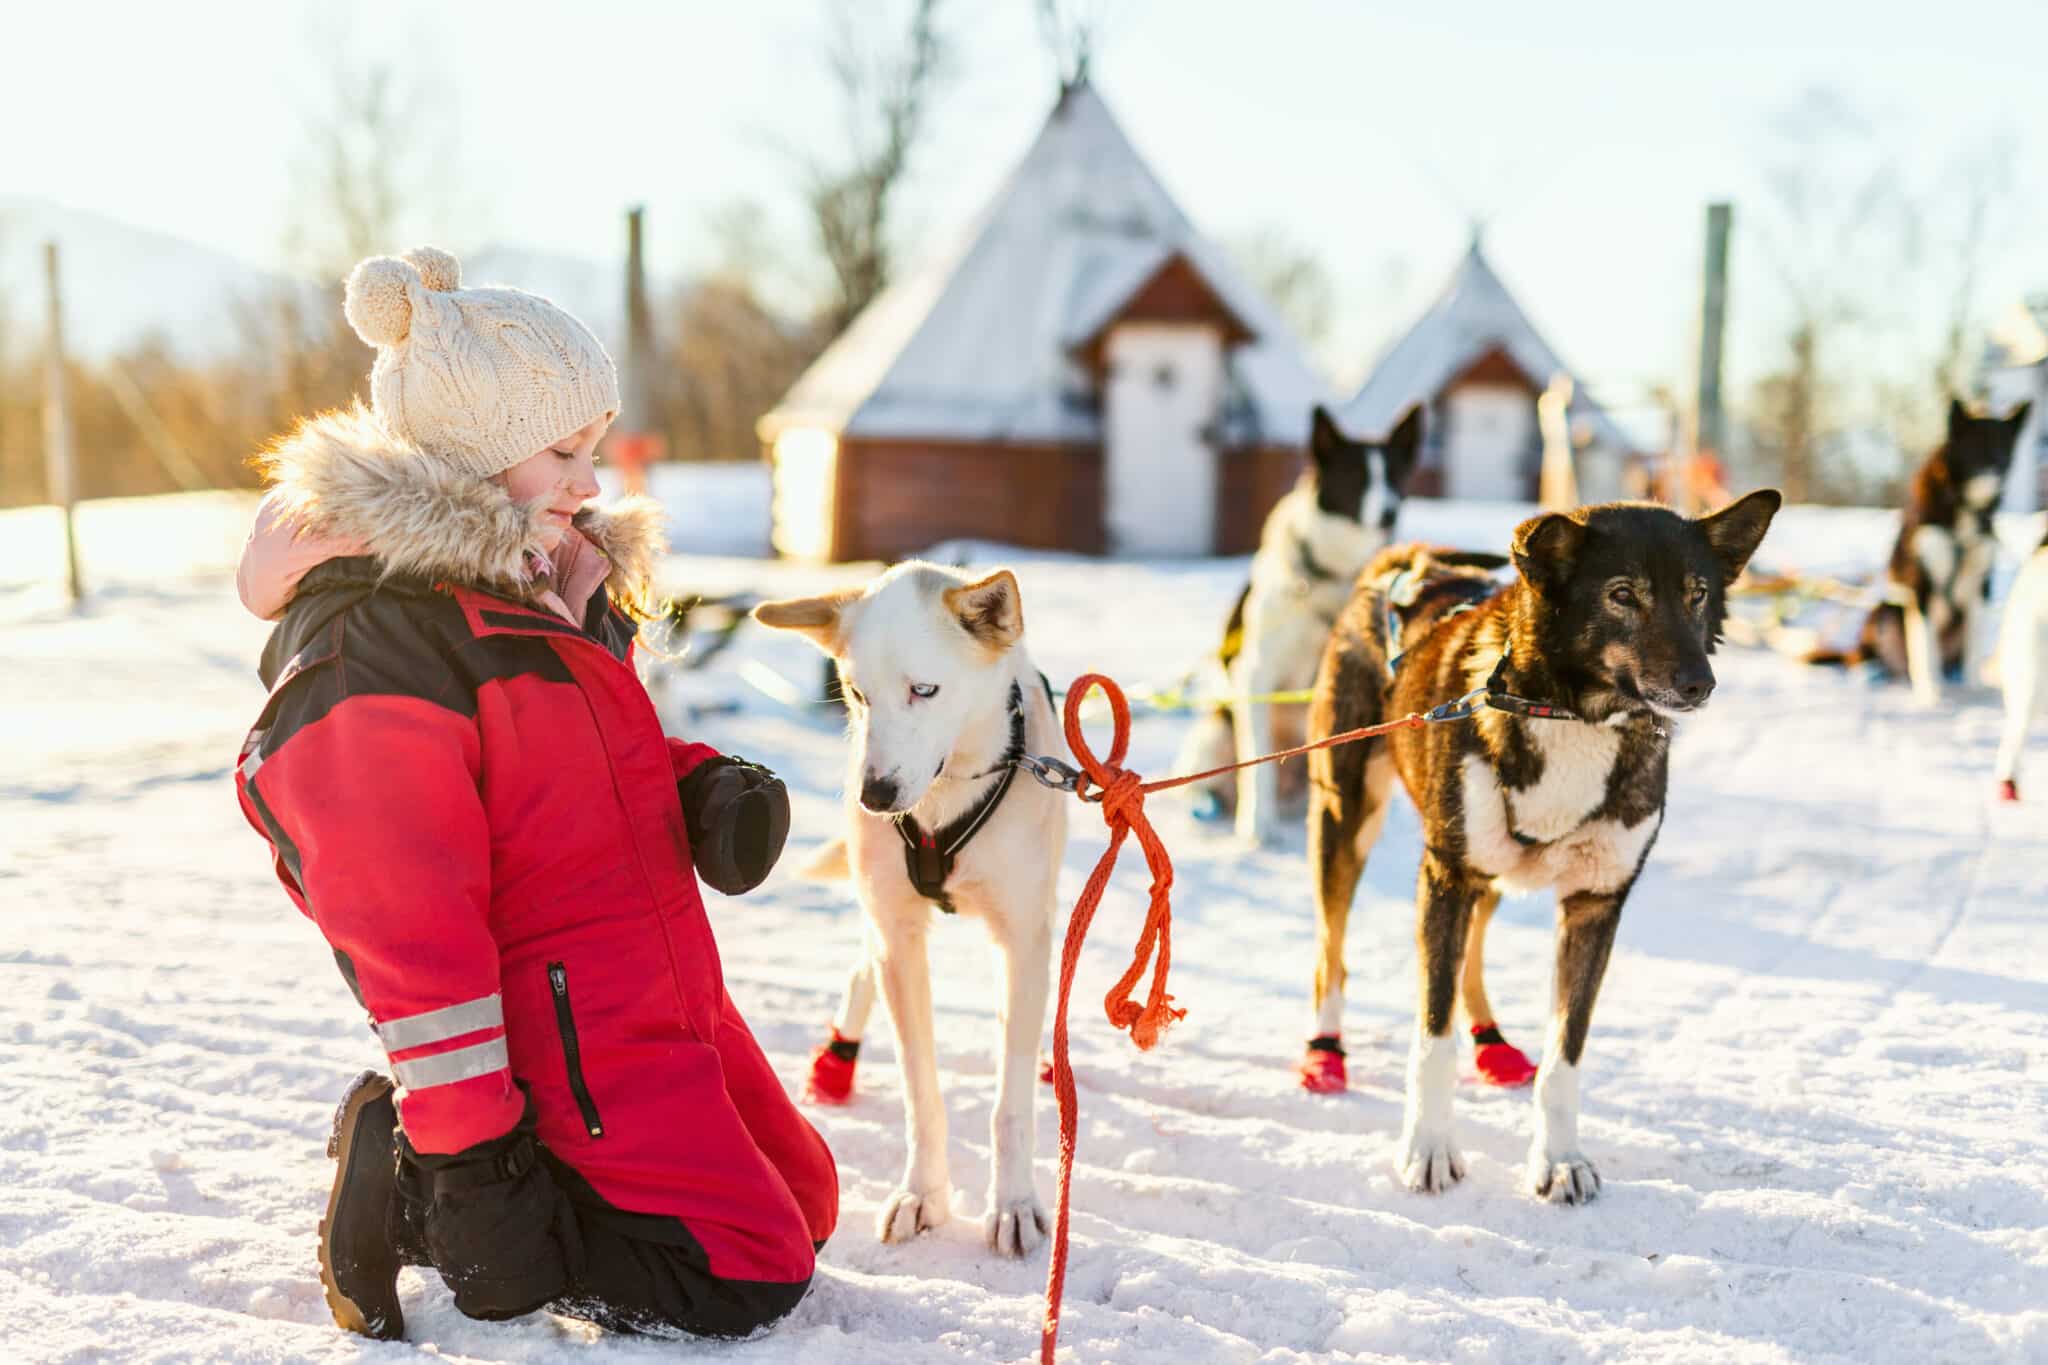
1816	1087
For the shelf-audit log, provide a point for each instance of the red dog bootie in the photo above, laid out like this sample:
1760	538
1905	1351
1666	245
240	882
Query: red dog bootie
831	1078
1322	1066
1499	1061
2008	790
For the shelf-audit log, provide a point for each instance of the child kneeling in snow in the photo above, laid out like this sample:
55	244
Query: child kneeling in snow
464	784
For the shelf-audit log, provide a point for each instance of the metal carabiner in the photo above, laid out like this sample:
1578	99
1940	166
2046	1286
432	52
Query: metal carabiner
1051	772
1458	710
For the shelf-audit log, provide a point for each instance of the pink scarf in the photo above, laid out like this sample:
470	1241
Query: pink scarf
280	552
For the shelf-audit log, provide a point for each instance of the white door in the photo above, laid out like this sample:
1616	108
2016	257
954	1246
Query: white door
1165	390
1489	430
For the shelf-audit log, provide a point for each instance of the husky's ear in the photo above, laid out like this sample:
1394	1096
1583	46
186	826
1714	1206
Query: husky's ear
1324	439
1737	529
1403	444
820	618
2017	418
1958	417
992	611
1546	548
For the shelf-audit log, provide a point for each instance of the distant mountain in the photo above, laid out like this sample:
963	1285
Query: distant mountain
123	283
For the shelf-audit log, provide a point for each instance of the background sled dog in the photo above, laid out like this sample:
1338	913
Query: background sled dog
1315	541
2023	666
1611	620
1940	568
942	699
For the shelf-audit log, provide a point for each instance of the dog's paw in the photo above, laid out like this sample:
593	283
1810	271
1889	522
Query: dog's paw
1429	1163
1256	839
908	1212
1563	1177
1015	1227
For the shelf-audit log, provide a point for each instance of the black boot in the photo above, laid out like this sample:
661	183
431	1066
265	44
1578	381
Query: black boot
358	1260
407	1221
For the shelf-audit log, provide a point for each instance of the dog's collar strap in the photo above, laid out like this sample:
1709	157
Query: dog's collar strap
1305	560
928	855
1495	697
1500	699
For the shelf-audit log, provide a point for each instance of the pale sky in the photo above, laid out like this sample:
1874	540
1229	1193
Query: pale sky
1589	134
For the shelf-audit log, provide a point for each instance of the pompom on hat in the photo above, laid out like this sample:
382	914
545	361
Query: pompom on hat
479	378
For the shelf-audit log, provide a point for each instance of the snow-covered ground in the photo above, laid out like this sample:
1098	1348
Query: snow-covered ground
1817	1085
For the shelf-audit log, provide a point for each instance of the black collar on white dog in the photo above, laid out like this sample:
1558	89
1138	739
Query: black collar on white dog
1310	568
928	855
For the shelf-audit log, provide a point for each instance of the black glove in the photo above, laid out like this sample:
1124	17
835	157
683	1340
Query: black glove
502	1234
738	817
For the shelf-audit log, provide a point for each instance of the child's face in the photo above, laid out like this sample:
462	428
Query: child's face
563	477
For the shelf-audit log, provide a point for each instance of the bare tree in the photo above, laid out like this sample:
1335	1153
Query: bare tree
1293	277
887	100
364	175
352	181
1072	33
1836	227
1877	280
1974	189
376	154
732	355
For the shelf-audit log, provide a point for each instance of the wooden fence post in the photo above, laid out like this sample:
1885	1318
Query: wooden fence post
57	464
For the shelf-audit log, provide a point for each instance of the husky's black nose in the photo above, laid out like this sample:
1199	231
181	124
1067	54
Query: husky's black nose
1694	683
878	794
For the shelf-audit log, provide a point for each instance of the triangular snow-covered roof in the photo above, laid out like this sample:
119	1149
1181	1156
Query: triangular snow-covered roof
977	344
1474	314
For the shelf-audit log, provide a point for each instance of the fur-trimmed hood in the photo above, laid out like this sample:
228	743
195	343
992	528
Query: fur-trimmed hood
342	476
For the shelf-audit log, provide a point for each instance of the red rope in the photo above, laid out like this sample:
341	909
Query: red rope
1122	795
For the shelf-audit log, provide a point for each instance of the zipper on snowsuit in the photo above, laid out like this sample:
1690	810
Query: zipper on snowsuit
572	1051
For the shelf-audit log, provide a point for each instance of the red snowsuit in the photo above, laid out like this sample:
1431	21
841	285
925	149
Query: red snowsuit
474	801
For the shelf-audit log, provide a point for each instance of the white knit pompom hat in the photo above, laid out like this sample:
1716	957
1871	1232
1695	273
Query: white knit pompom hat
480	378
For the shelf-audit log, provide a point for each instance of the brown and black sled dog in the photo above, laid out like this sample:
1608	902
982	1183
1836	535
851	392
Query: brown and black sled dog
1940	570
1610	620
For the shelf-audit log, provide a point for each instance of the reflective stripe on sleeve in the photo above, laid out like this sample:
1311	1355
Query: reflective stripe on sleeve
446	1068
438	1026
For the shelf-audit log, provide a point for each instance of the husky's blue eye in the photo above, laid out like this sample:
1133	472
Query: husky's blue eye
924	689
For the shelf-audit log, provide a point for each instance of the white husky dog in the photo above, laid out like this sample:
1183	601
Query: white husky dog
2023	666
943	700
1315	540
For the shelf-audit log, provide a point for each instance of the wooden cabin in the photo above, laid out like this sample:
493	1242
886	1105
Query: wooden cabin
1086	373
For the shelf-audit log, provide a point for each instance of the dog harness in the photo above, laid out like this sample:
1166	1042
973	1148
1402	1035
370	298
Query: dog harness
929	855
1493	697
